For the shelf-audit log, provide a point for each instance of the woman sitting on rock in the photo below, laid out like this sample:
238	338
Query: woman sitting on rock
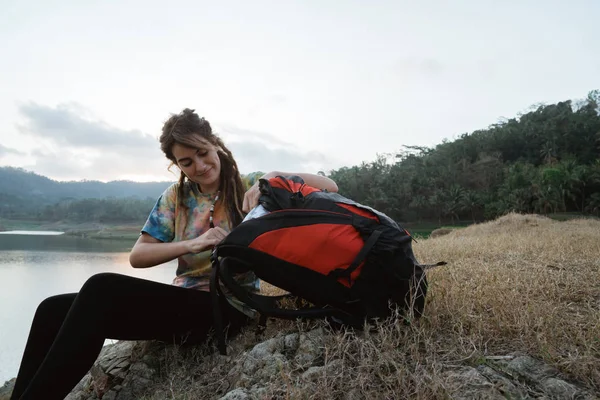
189	218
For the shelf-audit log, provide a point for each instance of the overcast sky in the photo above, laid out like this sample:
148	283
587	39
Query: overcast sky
289	85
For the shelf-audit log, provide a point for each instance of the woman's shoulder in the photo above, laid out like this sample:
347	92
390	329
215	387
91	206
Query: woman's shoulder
172	193
174	188
188	191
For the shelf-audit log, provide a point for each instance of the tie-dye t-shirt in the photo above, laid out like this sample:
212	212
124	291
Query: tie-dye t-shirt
169	222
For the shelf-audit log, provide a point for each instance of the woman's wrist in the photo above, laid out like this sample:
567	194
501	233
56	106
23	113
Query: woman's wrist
186	246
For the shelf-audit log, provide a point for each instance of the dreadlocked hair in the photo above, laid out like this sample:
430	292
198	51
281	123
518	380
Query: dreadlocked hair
188	129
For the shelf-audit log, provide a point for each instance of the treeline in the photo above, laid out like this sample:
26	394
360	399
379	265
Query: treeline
134	209
544	161
109	210
105	210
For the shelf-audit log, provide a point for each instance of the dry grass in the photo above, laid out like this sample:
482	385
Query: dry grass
521	283
517	285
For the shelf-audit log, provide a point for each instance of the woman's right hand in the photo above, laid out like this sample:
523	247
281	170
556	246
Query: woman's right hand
207	240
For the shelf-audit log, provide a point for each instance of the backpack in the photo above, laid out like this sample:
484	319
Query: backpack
351	262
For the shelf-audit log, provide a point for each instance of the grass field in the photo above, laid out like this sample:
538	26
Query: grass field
424	229
522	284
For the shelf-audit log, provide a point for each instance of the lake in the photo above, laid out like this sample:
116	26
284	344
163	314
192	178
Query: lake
35	266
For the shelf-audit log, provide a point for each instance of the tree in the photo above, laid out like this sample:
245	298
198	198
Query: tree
593	204
471	201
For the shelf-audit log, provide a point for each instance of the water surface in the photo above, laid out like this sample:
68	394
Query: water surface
33	267
35	233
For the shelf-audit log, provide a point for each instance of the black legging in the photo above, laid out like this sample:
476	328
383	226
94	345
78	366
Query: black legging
69	330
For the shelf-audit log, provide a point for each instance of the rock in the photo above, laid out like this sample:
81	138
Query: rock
6	389
291	342
116	359
237	394
82	390
110	395
310	349
521	378
545	378
293	365
123	371
100	380
262	354
467	383
502	383
277	357
330	370
138	381
440	232
559	389
530	368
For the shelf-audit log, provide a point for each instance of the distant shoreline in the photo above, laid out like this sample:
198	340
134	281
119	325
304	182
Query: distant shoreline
114	231
130	231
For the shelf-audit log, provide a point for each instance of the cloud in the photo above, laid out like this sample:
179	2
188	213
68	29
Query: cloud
233	133
416	66
71	145
255	156
277	99
75	146
5	151
261	151
70	164
66	125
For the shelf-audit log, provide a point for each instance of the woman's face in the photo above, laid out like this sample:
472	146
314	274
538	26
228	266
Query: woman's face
201	165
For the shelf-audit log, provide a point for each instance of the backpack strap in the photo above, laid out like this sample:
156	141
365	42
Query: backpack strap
266	305
362	254
215	293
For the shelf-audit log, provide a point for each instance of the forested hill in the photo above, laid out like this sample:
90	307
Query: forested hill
545	161
23	184
27	195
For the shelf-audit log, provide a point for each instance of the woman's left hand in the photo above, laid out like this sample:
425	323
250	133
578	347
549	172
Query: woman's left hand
251	198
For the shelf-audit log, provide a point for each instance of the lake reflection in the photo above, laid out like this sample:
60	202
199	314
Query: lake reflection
35	267
36	233
45	242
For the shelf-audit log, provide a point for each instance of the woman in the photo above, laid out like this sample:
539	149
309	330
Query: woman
190	217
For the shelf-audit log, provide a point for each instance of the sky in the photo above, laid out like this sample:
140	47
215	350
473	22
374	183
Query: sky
294	86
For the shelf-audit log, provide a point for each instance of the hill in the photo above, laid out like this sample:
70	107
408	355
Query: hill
16	183
543	161
27	198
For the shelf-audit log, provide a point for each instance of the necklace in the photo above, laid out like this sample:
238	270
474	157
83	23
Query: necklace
212	211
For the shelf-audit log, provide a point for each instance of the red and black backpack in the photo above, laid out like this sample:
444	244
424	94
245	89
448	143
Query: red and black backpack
351	262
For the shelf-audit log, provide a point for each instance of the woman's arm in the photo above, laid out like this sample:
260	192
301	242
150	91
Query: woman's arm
317	181
149	251
320	182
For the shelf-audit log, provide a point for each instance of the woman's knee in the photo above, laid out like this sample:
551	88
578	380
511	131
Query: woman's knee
54	305
103	282
106	290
